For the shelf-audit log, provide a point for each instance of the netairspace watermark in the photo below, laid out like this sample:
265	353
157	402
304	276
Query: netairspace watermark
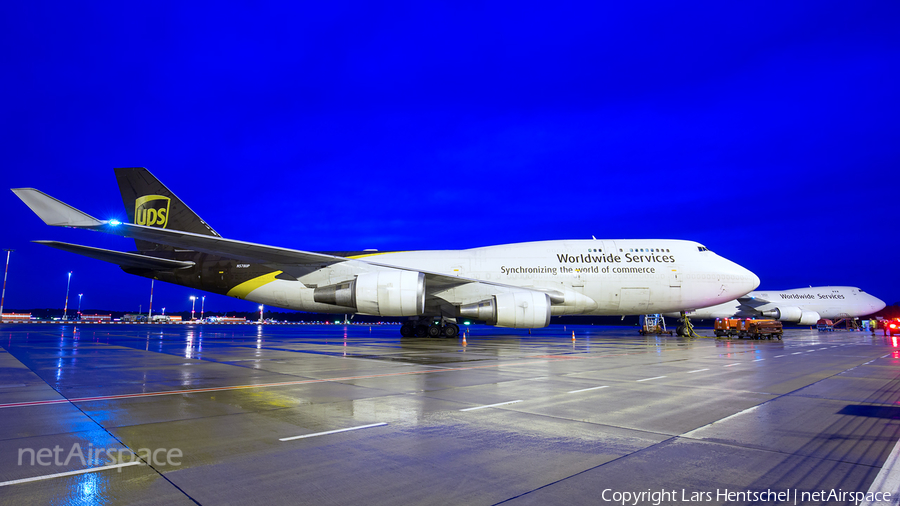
92	456
788	496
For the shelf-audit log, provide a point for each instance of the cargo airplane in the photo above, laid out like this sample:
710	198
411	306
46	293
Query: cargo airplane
803	306
511	285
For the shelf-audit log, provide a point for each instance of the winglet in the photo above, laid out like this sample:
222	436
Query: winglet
54	212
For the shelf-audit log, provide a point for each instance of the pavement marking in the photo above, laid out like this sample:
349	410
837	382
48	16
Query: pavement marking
778	356
888	479
698	370
810	351
333	431
70	473
797	353
732	365
729	417
13	385
759	360
586	389
653	378
491	405
823	348
264	385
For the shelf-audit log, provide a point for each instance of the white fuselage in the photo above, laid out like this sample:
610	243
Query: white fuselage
594	277
828	301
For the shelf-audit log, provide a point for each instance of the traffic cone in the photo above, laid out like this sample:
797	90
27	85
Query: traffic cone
573	336
464	338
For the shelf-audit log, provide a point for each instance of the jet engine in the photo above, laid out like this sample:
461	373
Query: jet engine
785	314
808	318
381	293
793	314
519	310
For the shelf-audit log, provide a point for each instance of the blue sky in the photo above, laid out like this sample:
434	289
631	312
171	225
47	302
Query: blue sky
767	131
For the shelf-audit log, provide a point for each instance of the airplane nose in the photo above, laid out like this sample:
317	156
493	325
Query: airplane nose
754	281
877	304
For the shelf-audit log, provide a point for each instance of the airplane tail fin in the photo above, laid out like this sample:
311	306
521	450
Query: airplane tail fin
148	202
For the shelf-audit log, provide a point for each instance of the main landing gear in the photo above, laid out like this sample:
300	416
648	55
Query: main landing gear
423	328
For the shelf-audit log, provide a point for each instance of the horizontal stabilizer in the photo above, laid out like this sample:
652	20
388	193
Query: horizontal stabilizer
54	212
120	258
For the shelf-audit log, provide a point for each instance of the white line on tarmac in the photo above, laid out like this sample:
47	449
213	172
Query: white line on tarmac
653	378
333	431
759	360
797	353
698	370
729	417
70	473
888	479
810	351
778	356
823	348
587	389
491	405
732	365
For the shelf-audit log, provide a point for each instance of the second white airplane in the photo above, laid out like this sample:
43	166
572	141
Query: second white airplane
512	285
803	306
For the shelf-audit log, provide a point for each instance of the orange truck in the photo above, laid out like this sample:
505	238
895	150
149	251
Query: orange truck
752	329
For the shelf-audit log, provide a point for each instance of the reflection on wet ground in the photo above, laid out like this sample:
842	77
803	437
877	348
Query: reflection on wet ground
358	415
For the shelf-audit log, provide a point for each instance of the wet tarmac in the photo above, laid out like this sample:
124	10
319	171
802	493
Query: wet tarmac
334	415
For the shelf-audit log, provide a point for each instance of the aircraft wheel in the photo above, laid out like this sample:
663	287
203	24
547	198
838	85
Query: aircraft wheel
451	331
434	331
421	330
407	330
680	331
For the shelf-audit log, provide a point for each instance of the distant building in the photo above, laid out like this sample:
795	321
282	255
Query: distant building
96	318
16	317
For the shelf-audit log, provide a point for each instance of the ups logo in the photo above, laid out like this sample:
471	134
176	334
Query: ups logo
151	210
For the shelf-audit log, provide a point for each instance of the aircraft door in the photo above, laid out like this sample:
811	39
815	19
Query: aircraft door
675	276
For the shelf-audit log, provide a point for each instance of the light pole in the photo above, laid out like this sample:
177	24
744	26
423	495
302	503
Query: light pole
202	303
150	309
193	299
3	297
260	313
79	305
66	307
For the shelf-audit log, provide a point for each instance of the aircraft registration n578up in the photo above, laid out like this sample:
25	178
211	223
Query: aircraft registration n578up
511	285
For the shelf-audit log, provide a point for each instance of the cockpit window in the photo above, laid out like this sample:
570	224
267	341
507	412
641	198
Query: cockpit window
702	248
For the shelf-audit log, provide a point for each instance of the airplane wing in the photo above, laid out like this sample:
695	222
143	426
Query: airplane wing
59	214
118	257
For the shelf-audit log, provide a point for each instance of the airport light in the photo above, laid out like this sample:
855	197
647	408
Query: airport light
5	272
66	307
202	303
260	313
79	304
193	299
